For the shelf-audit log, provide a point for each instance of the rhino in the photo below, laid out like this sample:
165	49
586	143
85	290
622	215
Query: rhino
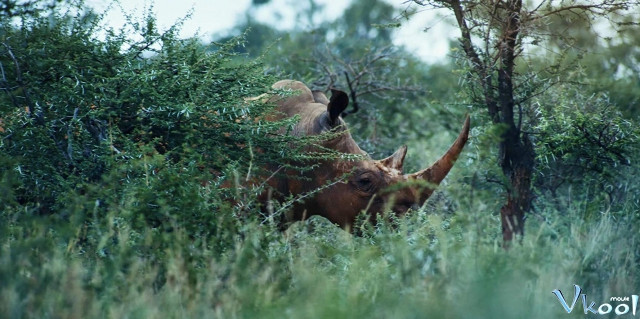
340	190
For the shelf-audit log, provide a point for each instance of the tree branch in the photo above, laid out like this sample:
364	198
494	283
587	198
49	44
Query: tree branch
21	84
467	44
600	8
354	97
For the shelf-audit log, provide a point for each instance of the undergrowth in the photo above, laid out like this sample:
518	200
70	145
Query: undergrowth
425	265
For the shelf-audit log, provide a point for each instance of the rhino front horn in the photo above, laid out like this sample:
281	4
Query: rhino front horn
435	173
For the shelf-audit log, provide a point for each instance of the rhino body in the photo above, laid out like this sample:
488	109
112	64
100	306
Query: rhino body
355	185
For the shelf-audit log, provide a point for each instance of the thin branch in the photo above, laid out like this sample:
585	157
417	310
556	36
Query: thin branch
354	97
623	160
299	198
467	44
598	8
20	82
537	7
6	88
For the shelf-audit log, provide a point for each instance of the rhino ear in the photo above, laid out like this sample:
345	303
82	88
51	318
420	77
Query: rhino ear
338	103
396	159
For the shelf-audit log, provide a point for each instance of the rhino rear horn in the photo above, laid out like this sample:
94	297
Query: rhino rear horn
435	173
396	159
337	104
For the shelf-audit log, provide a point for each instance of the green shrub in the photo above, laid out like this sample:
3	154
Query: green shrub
585	144
112	154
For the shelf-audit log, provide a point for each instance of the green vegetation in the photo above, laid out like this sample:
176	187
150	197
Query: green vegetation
113	152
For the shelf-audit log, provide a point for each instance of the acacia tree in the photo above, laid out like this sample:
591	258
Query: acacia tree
495	35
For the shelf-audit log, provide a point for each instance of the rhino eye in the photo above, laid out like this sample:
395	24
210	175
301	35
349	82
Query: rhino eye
365	183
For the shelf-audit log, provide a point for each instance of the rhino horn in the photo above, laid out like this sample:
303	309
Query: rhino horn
396	159
435	173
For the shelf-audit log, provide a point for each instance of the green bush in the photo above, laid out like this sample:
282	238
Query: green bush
112	154
585	143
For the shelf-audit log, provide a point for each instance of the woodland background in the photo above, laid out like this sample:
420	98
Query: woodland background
113	148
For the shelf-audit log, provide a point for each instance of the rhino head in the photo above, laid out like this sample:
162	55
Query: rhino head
354	186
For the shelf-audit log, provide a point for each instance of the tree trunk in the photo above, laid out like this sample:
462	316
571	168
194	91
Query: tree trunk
517	159
516	150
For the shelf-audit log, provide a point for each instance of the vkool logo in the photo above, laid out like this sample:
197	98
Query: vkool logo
604	308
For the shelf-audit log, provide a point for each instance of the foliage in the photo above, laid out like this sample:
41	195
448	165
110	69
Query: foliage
600	52
94	109
423	266
585	143
98	139
129	171
15	8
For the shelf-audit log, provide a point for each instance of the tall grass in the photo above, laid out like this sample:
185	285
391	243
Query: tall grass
429	264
